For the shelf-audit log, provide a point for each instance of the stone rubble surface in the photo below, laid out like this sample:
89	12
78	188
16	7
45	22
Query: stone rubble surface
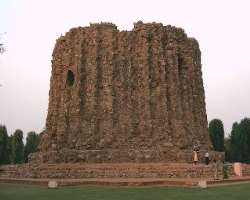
124	96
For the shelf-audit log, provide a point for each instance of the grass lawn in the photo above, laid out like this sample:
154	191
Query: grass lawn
28	192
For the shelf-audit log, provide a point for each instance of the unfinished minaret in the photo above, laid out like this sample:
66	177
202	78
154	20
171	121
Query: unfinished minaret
125	96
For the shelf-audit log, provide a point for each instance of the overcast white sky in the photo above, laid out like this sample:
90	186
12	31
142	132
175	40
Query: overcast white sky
221	27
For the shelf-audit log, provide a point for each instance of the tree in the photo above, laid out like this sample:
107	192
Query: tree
32	141
4	157
240	141
216	132
235	143
244	140
227	144
2	49
17	154
9	149
245	130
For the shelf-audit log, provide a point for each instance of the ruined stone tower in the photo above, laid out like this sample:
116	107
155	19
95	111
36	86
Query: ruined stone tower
124	96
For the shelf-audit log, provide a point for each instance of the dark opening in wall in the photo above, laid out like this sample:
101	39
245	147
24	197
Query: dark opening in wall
70	78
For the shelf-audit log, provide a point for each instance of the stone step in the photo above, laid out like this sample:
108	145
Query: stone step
115	170
107	181
187	182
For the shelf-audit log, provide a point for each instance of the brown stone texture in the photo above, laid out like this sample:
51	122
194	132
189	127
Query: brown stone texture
110	170
125	95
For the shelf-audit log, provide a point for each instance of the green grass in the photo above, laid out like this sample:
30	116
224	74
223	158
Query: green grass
28	192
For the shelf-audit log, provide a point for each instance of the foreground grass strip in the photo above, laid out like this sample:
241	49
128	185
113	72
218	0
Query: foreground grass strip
28	192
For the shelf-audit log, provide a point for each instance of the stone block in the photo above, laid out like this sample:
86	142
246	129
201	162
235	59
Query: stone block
237	169
52	184
202	184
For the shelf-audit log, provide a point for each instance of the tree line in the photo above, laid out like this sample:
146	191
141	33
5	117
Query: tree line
236	145
12	148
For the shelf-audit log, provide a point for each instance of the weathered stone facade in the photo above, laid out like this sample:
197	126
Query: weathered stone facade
124	96
110	170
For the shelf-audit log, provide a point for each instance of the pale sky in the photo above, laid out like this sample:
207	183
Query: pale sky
221	27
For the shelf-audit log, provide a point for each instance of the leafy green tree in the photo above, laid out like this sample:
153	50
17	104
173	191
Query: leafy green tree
240	141
17	147
32	141
9	149
2	49
244	130
4	157
227	144
216	132
235	143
